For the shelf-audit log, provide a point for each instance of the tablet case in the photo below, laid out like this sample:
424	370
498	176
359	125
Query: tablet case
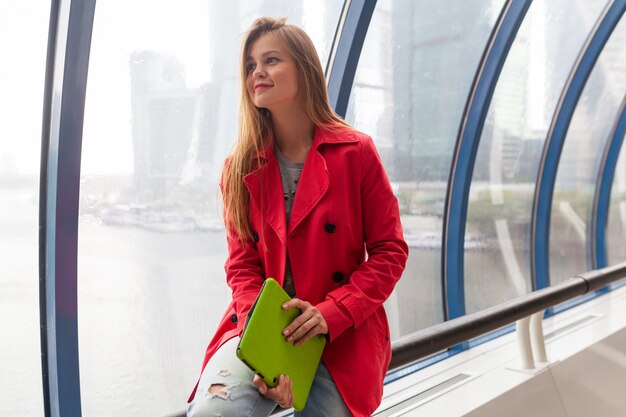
264	349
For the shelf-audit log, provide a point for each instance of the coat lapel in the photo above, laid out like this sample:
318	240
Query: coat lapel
266	188
266	191
312	186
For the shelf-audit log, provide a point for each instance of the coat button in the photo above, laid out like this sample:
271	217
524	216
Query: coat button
338	277
233	318
255	236
330	228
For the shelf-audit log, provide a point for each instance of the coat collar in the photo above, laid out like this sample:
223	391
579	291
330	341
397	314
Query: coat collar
265	186
322	135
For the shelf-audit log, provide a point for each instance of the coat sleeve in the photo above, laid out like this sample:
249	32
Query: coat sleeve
373	281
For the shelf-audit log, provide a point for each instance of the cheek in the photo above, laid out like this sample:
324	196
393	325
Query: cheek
293	83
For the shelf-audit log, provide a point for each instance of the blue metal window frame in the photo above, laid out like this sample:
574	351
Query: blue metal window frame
69	43
602	197
344	59
546	178
479	100
43	180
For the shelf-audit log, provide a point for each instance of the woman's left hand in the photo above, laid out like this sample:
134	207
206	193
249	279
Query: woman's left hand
306	325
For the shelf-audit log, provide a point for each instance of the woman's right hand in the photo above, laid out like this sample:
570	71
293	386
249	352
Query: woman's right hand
282	393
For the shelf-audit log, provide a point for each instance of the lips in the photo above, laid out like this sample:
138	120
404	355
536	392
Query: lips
261	85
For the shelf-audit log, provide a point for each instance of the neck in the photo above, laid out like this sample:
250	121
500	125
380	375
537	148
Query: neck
293	132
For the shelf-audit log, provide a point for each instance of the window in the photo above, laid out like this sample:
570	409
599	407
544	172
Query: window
497	267
591	124
411	85
23	44
161	114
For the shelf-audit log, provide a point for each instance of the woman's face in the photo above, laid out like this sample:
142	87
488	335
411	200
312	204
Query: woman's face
272	76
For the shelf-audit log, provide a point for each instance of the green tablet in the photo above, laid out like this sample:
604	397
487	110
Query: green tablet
264	349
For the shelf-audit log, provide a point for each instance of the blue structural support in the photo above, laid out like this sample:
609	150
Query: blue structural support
546	178
43	181
64	103
344	57
602	197
455	211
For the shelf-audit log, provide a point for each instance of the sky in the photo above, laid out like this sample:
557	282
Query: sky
178	29
23	42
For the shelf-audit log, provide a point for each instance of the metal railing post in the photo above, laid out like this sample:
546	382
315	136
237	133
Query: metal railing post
536	337
523	342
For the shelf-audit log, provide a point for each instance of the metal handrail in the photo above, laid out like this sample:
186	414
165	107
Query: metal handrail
425	342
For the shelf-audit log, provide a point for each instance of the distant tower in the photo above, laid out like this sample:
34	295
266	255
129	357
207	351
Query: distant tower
162	115
423	50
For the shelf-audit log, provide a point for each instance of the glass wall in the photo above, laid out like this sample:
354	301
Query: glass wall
411	85
161	115
23	45
616	226
570	251
161	108
503	185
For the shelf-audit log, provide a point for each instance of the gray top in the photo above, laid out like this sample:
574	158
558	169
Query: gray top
290	175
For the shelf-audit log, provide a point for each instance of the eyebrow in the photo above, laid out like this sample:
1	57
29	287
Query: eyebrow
273	51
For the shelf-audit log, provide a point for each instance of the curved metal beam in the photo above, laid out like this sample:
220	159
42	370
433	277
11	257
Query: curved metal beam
464	157
66	81
344	58
546	178
43	191
602	197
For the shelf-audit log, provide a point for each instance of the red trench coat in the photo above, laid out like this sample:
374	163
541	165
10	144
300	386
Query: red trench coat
344	210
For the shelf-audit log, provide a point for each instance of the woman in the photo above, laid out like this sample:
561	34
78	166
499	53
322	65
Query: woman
305	199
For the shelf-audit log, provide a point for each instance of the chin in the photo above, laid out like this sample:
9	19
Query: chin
262	105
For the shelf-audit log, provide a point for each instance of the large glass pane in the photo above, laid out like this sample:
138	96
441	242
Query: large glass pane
410	88
161	112
23	43
616	227
547	44
591	124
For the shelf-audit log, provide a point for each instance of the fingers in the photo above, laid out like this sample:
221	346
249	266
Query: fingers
307	312
298	322
304	307
286	398
310	334
260	384
306	325
295	302
282	393
305	328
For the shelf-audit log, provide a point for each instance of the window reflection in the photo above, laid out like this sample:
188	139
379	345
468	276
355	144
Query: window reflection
410	88
570	244
503	185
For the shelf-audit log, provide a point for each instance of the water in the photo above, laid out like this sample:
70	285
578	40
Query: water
20	361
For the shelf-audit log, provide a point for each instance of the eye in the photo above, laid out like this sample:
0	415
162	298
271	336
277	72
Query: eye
271	60
249	67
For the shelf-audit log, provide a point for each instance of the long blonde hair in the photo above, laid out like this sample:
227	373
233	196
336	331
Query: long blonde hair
255	123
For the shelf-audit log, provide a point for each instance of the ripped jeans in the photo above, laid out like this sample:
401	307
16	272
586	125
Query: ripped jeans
238	397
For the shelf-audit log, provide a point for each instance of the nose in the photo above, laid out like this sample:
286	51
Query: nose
258	72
